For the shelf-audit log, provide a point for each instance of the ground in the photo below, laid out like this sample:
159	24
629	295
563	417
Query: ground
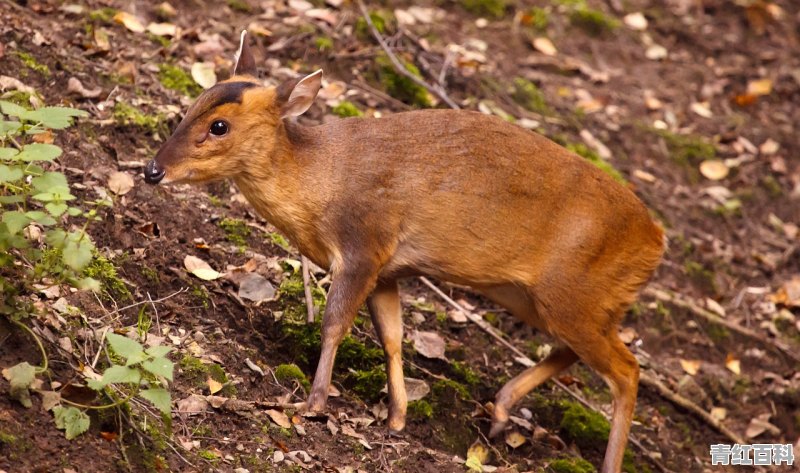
652	102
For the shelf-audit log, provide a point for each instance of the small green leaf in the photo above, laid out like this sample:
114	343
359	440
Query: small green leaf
20	377
54	117
121	374
74	211
158	351
56	209
11	199
96	384
160	367
38	152
10	173
15	221
159	397
72	420
56	238
42	218
11	109
78	254
125	347
8	128
8	153
49	181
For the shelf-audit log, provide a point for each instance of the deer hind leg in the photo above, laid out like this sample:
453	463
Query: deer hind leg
384	307
593	337
518	301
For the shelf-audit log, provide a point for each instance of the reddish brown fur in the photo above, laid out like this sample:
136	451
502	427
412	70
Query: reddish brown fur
452	194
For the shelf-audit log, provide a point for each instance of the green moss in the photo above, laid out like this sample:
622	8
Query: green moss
347	109
594	158
588	429
18	97
718	333
278	239
323	43
491	318
31	63
103	15
489	8
571	465
594	22
380	19
700	275
368	384
7	438
239	6
200	295
772	186
194	370
465	373
354	354
104	271
527	94
128	115
175	78
202	430
447	388
209	456
421	409
441	316
687	150
162	41
538	18
291	372
400	86
216	373
151	275
236	231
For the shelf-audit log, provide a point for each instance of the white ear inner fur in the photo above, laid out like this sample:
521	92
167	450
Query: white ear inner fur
238	54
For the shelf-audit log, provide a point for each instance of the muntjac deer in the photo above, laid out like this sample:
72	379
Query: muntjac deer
455	195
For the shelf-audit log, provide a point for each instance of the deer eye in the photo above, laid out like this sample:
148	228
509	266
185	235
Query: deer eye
219	128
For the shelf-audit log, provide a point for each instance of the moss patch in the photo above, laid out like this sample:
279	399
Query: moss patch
537	18
323	43
594	158
527	94
239	6
380	19
291	372
128	115
489	8
175	78
368	384
347	109
687	150
588	429
400	86
571	465
104	271
31	63
236	231
103	15
422	409
594	22
465	373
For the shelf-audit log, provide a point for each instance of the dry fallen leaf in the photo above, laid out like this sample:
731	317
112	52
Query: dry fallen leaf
120	183
656	52
769	147
74	86
214	386
628	335
702	109
255	287
514	439
429	344
760	424
545	46
691	367
759	87
635	21
129	21
476	456
733	364
192	405
788	294
714	169
203	73
715	307
416	389
719	413
200	268
162	29
279	418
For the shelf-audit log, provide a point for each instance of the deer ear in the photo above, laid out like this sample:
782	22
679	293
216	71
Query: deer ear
245	62
297	95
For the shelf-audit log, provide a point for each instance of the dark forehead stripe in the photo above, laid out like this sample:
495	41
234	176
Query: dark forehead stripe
220	94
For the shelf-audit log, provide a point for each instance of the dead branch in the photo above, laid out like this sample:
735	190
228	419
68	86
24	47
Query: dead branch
399	67
674	299
652	382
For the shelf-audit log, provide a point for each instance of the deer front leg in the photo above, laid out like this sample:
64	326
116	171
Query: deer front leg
349	290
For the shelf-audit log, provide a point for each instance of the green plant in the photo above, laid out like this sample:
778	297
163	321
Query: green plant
347	109
590	155
175	78
490	8
323	43
36	205
31	63
571	465
400	86
128	115
236	231
527	94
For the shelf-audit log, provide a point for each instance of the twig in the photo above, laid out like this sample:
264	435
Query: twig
149	301
672	298
388	98
305	263
526	360
650	381
155	310
435	90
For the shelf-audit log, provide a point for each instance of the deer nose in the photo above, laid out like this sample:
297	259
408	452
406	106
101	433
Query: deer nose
152	173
